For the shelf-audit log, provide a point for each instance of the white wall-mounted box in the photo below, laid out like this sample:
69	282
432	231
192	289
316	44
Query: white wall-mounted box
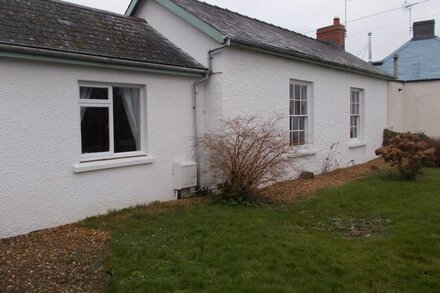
185	175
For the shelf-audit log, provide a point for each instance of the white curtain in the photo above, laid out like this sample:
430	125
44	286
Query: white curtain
84	94
130	99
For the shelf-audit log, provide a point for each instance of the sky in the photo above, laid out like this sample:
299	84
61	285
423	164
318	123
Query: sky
389	30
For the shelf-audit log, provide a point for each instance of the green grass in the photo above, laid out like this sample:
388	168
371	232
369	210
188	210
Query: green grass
303	246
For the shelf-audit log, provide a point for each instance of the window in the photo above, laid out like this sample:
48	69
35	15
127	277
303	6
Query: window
299	113
110	121
356	108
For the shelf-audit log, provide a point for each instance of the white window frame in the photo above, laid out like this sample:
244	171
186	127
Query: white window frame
84	158
309	130
361	127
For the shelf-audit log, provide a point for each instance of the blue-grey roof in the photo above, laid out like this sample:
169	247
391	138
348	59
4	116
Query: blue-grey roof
418	60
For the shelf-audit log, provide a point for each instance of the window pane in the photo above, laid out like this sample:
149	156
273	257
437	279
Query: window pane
297	138
297	92
126	117
354	121
89	93
294	138
302	123
354	132
302	137
303	93
296	123
95	130
292	107
297	108
304	108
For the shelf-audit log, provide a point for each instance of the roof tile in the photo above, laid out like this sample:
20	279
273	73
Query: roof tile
60	26
261	34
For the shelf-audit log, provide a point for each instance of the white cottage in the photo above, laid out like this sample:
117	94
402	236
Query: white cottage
260	69
96	108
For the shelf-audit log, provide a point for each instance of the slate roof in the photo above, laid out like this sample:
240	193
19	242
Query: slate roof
418	60
253	32
63	27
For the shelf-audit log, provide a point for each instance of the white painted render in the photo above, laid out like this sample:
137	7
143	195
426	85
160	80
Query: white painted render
415	107
40	130
256	84
246	82
180	32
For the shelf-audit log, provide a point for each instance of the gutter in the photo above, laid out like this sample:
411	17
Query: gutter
304	58
227	43
33	52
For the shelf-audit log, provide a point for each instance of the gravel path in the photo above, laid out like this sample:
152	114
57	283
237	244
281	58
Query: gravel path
289	190
64	259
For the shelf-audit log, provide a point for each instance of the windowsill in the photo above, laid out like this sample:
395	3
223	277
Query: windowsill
356	144
303	152
111	164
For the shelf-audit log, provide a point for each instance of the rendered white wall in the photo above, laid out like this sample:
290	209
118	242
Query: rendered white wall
247	82
180	32
40	143
415	107
258	84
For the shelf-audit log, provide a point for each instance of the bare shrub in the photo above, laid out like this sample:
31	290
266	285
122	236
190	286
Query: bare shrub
247	153
330	163
408	153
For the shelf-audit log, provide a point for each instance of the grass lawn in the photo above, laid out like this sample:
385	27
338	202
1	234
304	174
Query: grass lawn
377	234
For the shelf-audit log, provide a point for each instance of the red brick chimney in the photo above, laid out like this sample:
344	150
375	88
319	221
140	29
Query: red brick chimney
334	34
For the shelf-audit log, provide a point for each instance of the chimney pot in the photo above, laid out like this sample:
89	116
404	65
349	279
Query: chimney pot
424	30
333	34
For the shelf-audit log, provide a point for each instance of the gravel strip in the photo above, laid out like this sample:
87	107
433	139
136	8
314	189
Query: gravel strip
63	259
286	191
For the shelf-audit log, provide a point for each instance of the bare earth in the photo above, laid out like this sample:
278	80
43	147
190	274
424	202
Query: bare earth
71	259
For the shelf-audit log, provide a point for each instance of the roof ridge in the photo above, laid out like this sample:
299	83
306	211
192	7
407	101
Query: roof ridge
66	2
404	46
397	51
253	18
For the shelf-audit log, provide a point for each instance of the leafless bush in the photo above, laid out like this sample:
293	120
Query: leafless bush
329	163
247	153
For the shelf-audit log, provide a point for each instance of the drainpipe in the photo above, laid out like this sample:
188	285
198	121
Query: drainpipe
195	94
396	66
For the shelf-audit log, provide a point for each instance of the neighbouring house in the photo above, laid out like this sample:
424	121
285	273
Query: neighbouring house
101	111
414	98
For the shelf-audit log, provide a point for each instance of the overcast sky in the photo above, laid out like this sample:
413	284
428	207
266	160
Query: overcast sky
390	30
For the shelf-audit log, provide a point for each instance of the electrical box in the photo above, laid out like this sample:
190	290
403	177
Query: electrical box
185	175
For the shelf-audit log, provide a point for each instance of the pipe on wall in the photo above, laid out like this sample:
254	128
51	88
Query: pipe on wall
195	95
